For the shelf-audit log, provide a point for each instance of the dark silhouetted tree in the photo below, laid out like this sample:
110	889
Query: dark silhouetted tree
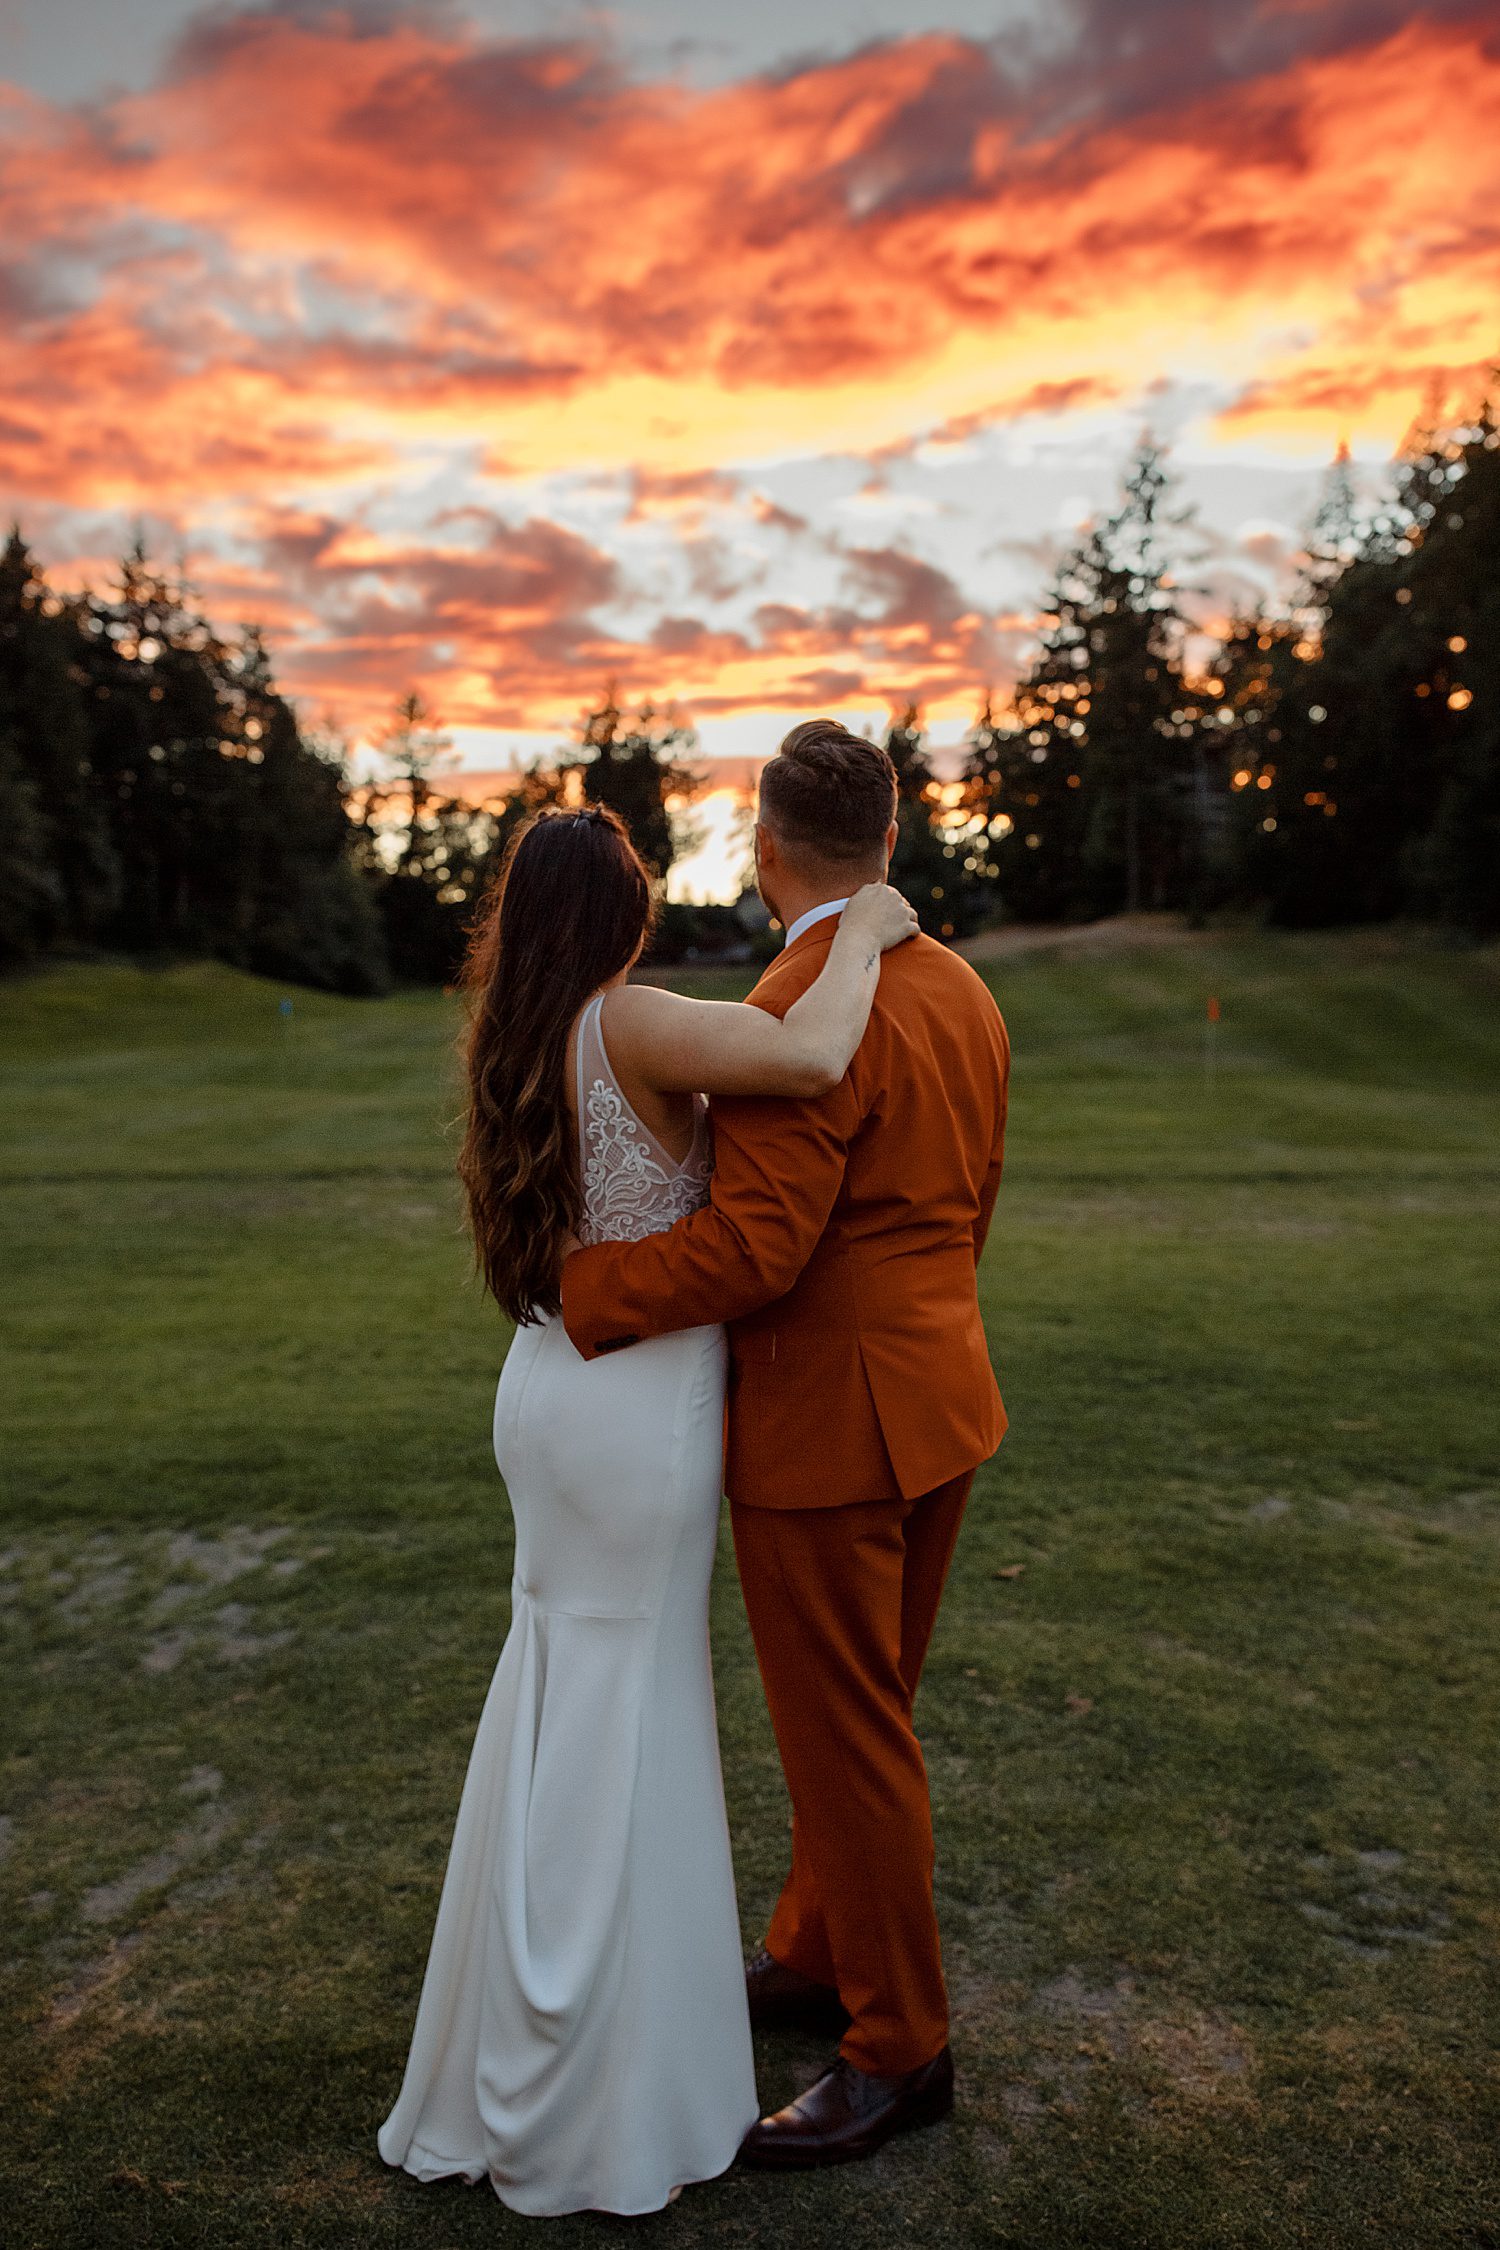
1096	777
1377	788
31	902
426	855
179	808
933	864
1454	870
636	769
411	742
63	877
539	788
307	914
1027	772
1117	603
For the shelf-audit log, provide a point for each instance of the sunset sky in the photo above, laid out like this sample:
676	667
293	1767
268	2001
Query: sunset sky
760	358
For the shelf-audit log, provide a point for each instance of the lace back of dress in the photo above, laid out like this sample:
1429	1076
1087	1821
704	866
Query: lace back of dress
632	1186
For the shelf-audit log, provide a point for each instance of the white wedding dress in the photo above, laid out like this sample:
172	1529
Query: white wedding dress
582	2038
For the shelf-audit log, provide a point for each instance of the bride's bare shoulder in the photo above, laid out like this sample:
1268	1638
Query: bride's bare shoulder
636	1013
640	1003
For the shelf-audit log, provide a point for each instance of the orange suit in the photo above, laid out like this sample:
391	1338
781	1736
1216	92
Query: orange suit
840	1247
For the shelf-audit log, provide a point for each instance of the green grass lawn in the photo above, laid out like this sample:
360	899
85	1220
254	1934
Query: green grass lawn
1215	1774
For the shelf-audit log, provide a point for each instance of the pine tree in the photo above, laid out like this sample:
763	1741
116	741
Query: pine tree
1093	777
1251	668
58	844
1028	773
540	787
306	913
1380	773
1334	538
1453	871
1264	683
933	864
917	869
427	900
31	894
411	742
228	828
429	867
156	728
1134	775
637	770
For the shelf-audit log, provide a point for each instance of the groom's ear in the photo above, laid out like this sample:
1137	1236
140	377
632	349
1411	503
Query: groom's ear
892	835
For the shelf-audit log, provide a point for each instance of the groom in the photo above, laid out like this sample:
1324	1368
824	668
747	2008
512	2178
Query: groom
840	1246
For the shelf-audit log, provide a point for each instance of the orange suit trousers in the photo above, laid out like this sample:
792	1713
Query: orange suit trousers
841	1603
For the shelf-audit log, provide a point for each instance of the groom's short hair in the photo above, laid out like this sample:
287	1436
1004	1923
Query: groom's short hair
829	792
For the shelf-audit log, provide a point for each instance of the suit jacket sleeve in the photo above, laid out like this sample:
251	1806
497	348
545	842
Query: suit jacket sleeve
991	1185
987	1195
778	1168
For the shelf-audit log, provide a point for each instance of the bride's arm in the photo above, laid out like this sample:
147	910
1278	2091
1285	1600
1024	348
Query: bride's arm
688	1046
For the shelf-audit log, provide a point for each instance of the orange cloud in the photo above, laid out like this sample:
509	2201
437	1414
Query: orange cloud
504	629
325	251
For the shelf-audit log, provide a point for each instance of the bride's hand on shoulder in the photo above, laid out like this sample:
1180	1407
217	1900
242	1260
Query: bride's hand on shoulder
881	916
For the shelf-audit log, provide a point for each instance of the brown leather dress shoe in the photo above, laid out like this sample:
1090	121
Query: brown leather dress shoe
779	1995
849	2114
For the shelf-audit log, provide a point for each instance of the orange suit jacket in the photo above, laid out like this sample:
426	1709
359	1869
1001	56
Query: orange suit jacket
840	1247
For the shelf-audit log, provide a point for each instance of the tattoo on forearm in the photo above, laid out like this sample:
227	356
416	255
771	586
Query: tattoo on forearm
871	959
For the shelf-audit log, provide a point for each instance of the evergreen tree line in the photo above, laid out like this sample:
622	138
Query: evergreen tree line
1333	760
158	797
428	858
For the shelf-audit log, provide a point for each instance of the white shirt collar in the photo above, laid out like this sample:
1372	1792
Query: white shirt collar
814	914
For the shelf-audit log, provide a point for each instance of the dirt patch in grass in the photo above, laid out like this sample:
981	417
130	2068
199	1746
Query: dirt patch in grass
1203	2058
87	2010
1034	2053
222	1559
92	1979
161	1584
105	1902
1367	1906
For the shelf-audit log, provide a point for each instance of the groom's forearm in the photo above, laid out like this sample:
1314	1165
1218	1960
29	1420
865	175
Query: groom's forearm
614	1293
779	1167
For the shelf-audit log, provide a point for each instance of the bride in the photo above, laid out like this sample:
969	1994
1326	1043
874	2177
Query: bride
582	2037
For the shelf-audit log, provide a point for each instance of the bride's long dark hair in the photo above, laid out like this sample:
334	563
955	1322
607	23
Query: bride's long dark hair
569	910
